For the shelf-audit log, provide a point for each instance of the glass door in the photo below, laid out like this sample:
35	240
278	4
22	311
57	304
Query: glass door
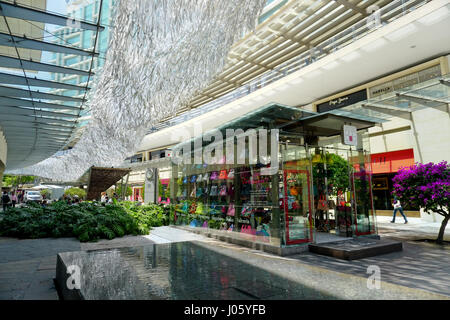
297	206
361	193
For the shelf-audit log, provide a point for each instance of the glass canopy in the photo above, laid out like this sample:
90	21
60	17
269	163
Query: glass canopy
42	94
433	93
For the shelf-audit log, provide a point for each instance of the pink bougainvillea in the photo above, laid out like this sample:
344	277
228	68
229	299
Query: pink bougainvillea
426	186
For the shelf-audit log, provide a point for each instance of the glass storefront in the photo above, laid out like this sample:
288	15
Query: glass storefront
315	187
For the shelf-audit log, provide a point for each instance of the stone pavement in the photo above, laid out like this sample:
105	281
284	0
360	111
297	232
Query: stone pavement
27	267
415	229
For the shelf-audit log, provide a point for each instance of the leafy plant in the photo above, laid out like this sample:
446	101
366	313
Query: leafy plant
45	193
72	192
14	181
426	186
336	173
128	192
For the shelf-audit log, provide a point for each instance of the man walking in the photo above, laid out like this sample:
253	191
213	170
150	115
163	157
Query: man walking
398	207
5	200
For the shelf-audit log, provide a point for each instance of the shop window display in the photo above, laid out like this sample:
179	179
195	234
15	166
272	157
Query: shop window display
314	189
233	199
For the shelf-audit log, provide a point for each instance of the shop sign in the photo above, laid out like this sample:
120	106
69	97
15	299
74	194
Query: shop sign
405	81
349	135
343	101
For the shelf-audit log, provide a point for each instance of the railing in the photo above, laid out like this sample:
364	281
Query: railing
385	15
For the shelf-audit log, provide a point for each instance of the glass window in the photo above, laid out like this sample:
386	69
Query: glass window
87	39
71	61
73	40
88	12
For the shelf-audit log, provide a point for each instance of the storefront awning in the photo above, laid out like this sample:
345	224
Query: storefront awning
292	120
434	93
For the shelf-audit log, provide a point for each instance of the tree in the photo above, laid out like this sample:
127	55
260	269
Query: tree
14	181
337	171
45	193
72	192
426	186
128	193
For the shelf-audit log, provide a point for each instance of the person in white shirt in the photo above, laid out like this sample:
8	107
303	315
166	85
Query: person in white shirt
398	207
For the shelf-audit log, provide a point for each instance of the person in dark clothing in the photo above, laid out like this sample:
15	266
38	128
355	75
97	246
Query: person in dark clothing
5	200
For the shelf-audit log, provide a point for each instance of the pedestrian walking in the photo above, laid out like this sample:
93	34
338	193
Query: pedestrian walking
5	200
14	199
398	207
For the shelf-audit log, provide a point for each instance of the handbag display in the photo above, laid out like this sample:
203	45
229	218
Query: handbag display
213	191
199	209
322	204
213	209
231	210
199	178
231	174
246	211
193	178
223	190
206	177
231	191
214	175
223	174
194	192
199	192
294	191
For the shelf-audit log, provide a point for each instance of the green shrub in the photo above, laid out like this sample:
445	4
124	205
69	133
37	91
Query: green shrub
72	192
88	221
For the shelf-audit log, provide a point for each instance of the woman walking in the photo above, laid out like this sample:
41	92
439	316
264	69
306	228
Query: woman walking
14	199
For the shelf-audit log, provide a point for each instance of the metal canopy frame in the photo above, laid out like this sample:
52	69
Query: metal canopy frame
7	78
15	63
433	93
37	123
23	93
14	10
299	33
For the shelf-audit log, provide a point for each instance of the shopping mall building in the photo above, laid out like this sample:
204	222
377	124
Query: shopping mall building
326	100
354	90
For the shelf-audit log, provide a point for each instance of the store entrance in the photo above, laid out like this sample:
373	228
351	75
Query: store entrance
327	194
342	192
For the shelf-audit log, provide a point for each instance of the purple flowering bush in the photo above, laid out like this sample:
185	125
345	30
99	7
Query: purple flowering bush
426	186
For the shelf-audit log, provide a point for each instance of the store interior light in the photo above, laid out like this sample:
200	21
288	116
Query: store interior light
435	16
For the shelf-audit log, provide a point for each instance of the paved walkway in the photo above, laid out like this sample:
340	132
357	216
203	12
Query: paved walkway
27	267
415	229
